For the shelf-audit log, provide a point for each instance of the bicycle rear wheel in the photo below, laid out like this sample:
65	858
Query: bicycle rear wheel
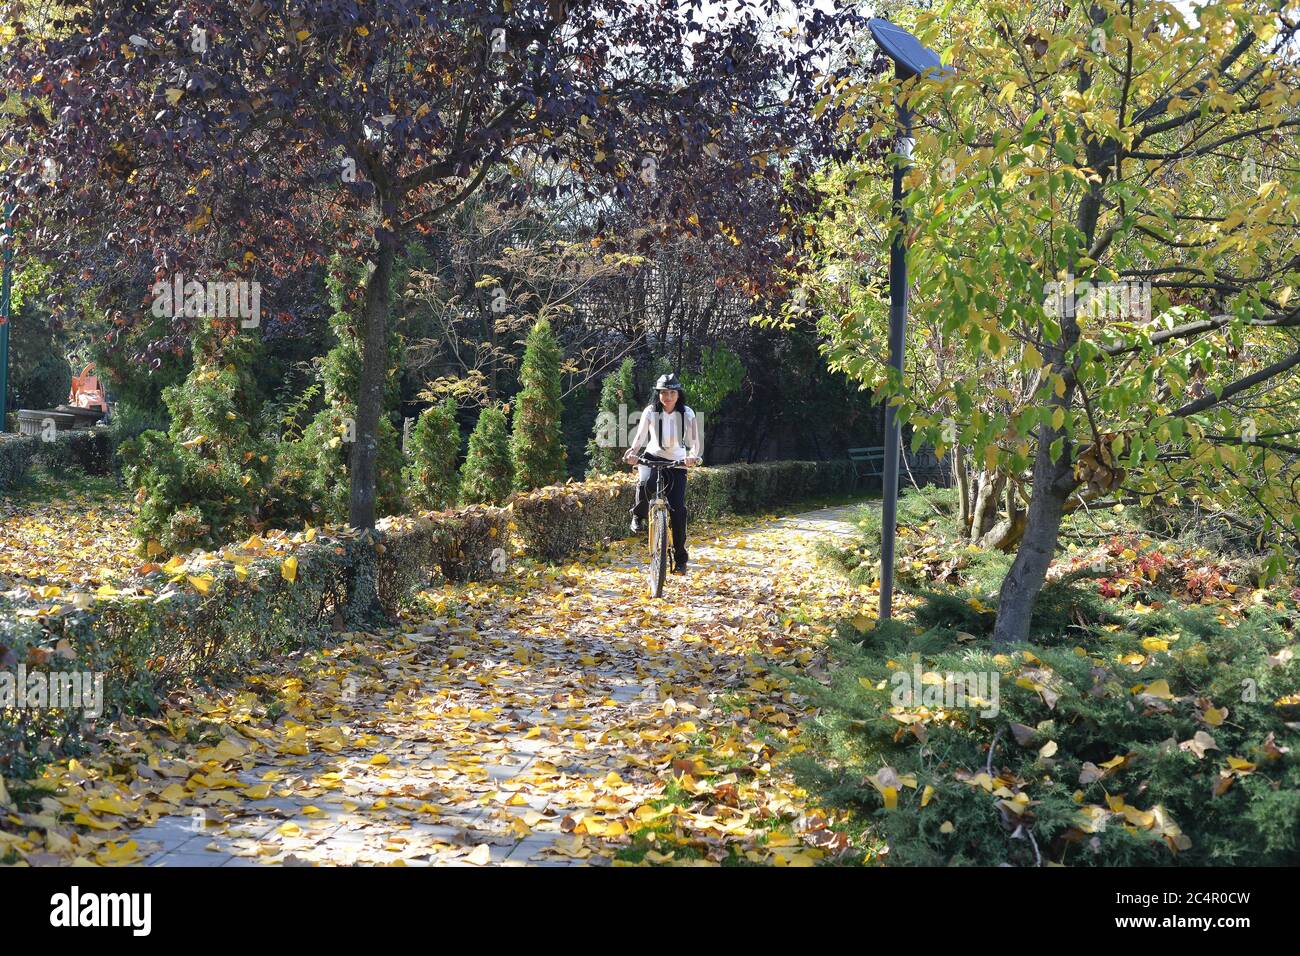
658	551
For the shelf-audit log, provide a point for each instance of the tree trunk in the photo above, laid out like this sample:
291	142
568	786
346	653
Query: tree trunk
985	512
1006	532
370	399
1053	482
963	487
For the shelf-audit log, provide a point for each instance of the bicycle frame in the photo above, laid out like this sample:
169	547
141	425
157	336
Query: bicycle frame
659	468
658	508
658	503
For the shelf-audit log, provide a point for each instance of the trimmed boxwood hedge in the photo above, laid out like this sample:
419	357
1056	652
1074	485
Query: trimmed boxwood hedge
560	520
16	453
89	450
159	632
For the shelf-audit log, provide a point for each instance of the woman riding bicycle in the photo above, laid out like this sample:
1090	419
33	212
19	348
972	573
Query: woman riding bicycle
669	431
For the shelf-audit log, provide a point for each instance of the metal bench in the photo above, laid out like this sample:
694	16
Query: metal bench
868	462
923	466
927	468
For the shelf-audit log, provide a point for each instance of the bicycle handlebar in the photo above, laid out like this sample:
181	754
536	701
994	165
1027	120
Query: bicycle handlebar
660	464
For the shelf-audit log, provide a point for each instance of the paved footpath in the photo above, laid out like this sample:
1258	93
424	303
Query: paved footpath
526	721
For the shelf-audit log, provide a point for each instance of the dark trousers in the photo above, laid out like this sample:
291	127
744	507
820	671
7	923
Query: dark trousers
674	480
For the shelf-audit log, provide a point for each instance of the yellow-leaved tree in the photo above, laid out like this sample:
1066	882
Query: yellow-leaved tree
1104	242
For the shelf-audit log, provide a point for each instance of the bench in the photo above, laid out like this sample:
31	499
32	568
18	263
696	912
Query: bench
868	462
923	466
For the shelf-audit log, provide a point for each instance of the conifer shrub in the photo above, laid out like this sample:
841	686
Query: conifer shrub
617	405
432	479
200	484
1140	728
486	477
537	445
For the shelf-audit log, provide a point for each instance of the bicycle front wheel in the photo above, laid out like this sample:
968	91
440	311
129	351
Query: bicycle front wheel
658	552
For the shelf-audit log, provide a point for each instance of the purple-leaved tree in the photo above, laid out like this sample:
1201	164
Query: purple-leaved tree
227	139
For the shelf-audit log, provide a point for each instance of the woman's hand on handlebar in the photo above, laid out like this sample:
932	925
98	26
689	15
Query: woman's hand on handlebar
631	458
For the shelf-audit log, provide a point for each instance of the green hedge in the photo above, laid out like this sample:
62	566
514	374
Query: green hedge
415	552
16	452
88	450
166	630
560	520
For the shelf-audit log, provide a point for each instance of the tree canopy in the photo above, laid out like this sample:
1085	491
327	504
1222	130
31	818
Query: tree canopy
1103	225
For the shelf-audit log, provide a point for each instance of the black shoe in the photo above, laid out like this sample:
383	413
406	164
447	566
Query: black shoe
679	569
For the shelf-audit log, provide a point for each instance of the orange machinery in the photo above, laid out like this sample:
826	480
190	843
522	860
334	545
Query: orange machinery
87	392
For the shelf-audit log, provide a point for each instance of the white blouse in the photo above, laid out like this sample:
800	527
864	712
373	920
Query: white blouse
675	445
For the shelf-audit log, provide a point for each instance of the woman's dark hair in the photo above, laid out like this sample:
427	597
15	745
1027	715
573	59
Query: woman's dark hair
658	406
681	401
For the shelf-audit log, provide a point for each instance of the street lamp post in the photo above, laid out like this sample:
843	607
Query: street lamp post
6	282
910	59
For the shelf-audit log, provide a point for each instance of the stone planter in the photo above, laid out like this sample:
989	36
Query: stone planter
83	417
32	421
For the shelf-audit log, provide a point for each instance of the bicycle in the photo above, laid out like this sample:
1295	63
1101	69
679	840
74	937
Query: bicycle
657	523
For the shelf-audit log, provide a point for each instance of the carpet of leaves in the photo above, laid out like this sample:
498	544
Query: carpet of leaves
556	715
79	538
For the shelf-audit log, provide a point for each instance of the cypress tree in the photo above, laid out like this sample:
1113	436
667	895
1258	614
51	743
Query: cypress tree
606	447
536	446
431	477
485	478
202	483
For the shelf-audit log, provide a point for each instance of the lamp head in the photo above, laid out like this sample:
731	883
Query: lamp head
910	57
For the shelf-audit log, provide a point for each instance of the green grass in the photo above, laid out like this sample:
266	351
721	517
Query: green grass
41	485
